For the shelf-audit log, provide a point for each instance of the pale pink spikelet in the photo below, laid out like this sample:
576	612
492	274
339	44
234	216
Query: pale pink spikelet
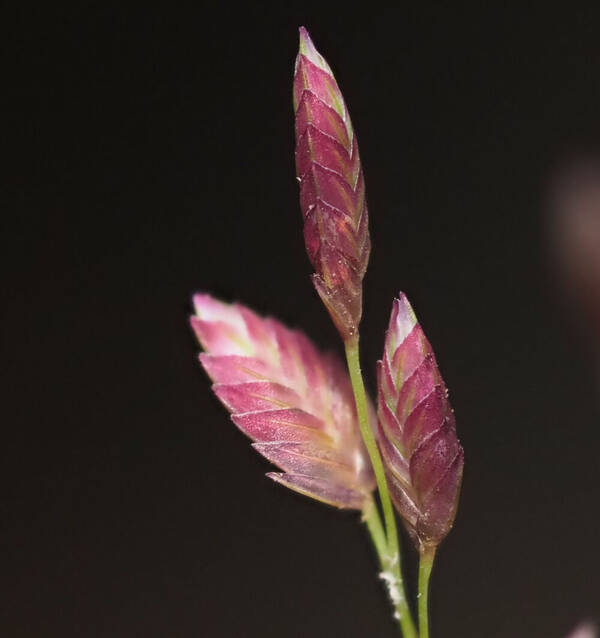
587	630
332	189
294	402
416	431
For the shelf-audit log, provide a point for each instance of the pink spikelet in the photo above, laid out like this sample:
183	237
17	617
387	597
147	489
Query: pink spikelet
416	431
332	189
294	402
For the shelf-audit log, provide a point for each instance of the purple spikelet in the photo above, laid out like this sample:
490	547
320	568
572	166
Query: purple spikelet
332	190
416	432
294	402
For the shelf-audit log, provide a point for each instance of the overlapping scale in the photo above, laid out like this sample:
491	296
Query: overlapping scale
332	191
294	402
416	431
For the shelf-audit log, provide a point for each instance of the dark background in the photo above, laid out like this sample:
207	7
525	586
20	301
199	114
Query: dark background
151	155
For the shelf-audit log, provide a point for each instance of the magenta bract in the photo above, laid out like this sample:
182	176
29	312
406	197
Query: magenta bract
332	190
416	431
294	402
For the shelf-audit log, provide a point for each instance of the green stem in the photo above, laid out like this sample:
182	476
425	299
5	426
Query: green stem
390	561
373	522
425	566
360	398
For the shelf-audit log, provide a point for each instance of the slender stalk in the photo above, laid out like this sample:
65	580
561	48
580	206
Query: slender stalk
360	397
390	561
425	566
373	522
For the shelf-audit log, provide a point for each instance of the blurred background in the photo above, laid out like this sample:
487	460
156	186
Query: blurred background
150	155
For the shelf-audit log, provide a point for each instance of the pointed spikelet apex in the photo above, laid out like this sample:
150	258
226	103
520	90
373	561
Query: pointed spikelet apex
416	431
332	189
294	402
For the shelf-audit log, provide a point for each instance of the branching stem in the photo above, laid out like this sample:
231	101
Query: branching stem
390	561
